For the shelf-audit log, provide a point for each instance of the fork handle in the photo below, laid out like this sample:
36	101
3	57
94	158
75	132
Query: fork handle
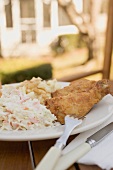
50	159
70	158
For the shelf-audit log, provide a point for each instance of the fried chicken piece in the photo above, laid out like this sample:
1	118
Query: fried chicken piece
78	104
80	85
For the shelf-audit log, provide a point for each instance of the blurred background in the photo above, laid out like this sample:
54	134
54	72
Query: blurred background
51	38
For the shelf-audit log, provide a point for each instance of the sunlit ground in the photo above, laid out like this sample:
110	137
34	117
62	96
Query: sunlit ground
63	65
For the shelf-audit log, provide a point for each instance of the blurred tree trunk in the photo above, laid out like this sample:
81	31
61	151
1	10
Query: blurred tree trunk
85	22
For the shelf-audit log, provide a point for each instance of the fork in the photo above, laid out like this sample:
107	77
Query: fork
54	152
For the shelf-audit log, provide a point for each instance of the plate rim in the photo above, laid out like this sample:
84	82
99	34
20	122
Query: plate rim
4	136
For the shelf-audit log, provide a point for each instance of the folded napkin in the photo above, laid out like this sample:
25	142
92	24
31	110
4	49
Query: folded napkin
102	153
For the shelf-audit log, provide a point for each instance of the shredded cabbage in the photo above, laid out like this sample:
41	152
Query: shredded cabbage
19	111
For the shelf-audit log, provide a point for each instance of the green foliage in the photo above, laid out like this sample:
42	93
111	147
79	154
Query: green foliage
44	71
68	42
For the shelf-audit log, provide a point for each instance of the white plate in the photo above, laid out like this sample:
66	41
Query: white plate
100	113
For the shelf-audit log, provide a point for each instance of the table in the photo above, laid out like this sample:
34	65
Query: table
15	155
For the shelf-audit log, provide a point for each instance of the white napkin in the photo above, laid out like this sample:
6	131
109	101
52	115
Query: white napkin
101	154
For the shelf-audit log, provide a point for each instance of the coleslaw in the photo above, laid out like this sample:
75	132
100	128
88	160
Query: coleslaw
19	111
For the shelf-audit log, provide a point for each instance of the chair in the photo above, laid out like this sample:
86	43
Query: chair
105	71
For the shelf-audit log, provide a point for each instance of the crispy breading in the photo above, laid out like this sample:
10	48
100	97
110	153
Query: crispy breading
77	103
80	85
